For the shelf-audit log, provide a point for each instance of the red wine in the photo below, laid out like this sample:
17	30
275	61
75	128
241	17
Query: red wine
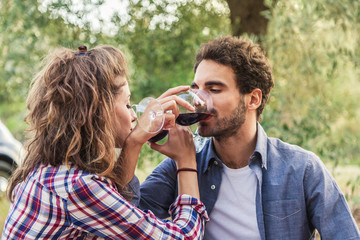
187	119
159	136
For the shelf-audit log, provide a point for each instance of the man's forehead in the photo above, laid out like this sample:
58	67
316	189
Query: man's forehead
212	73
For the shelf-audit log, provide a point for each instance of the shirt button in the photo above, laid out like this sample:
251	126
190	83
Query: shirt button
216	163
212	187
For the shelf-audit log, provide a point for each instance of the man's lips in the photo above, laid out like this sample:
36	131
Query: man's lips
207	118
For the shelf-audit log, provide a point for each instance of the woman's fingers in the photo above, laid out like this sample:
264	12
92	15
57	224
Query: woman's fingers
169	120
170	106
173	91
169	101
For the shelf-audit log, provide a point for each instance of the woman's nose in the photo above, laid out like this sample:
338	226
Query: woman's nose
133	115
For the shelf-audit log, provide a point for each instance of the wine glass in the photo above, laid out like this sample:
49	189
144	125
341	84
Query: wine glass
150	117
202	102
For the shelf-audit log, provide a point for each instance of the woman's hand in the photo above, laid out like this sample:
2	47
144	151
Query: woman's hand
169	102
179	146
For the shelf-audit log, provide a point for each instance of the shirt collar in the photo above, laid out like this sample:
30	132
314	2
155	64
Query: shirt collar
209	156
261	145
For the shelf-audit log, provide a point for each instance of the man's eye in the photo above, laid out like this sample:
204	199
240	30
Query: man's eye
215	90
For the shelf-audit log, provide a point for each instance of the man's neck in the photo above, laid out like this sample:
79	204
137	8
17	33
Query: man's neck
236	150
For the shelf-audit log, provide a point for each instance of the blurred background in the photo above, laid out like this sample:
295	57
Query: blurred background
313	46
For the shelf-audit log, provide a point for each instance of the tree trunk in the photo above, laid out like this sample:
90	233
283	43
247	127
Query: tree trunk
246	17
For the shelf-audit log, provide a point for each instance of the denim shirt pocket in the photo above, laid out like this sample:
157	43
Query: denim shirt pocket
281	209
281	217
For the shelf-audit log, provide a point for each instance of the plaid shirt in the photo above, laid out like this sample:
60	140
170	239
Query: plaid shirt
62	203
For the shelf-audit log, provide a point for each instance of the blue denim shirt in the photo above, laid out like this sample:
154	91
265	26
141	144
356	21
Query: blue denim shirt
295	192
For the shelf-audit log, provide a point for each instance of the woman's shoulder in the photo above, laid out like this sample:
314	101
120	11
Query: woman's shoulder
60	179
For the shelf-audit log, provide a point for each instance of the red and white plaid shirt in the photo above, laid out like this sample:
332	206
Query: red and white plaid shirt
62	203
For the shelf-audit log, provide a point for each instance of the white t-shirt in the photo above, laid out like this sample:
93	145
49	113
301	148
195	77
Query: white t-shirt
234	212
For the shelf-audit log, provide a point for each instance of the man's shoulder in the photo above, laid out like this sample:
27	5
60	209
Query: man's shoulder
291	160
285	150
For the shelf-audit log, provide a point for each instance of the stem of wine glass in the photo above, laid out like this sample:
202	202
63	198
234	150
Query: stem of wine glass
199	141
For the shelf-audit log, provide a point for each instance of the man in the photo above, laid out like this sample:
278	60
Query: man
253	186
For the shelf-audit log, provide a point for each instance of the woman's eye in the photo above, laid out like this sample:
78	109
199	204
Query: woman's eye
128	106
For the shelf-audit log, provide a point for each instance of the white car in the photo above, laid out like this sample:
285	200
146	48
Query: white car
11	155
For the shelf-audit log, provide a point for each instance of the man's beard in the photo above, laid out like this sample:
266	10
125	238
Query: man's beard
227	126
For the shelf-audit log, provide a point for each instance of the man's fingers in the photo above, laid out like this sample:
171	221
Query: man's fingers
157	147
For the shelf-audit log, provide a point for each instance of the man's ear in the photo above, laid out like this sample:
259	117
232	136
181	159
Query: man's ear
254	99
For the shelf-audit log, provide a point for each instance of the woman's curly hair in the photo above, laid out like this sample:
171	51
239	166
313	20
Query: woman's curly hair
70	114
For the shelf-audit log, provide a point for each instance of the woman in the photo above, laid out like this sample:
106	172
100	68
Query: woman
70	186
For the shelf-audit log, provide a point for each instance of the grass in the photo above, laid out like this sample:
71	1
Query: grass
4	208
348	178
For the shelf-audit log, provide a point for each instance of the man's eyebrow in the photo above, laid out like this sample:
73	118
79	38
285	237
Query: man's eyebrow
216	83
209	83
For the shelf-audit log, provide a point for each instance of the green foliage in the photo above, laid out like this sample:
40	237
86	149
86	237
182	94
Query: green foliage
163	37
27	33
313	47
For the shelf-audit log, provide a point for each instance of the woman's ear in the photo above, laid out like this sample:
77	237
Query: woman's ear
255	99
